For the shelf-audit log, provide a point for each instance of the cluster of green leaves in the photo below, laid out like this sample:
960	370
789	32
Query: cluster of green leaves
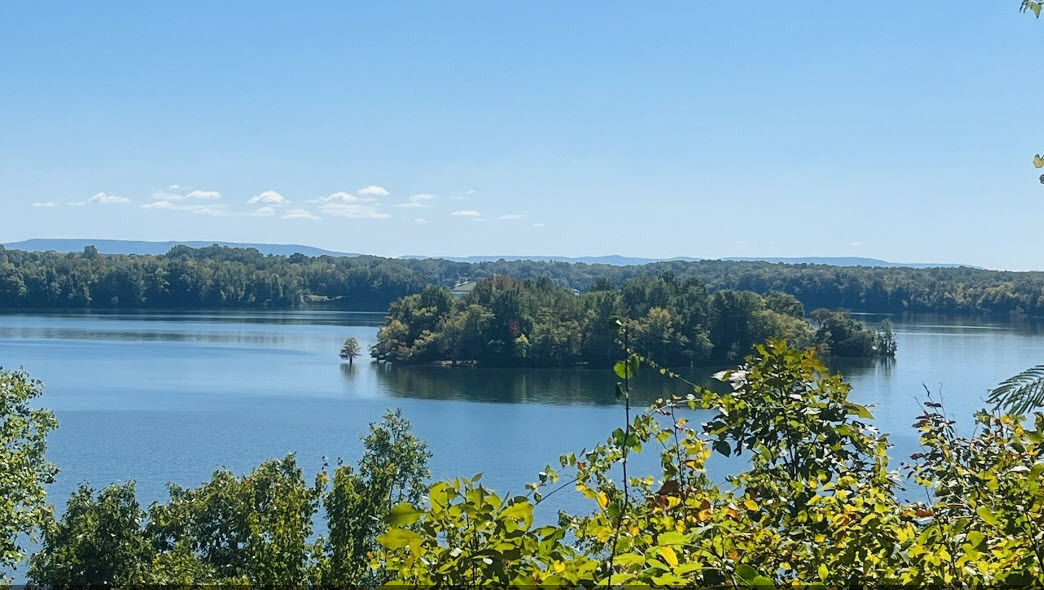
252	530
506	322
816	506
24	469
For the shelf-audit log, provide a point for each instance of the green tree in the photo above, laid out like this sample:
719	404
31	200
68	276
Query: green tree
350	349
97	540
24	469
253	529
393	469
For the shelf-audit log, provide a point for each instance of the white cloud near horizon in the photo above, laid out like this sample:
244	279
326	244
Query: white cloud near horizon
194	195
204	210
268	198
466	213
160	205
168	205
374	191
264	212
341	197
300	214
511	217
203	195
420	220
45	204
352	210
107	199
417	201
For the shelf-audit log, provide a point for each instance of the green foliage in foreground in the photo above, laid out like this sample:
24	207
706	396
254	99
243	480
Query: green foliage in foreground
24	470
256	529
506	322
816	504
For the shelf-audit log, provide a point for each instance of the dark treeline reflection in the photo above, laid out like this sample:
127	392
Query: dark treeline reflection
546	386
298	317
554	386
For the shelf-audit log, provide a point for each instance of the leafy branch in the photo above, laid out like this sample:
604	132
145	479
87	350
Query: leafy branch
1020	393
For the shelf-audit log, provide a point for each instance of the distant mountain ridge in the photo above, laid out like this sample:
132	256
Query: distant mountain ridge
848	261
617	260
611	259
155	248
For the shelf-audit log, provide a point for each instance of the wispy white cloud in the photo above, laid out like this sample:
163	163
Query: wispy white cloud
167	195
107	199
300	214
538	225
420	220
352	210
268	198
169	205
511	217
374	191
203	195
417	201
466	213
264	212
45	204
204	210
342	197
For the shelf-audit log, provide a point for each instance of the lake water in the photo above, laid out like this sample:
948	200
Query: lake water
159	397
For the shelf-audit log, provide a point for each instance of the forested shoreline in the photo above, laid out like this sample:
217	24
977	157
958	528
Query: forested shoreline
217	277
505	322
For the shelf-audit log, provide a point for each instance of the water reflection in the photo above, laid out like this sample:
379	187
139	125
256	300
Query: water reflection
300	317
349	371
266	338
853	367
543	386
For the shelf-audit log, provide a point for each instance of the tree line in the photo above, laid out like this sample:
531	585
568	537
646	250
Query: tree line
219	276
507	322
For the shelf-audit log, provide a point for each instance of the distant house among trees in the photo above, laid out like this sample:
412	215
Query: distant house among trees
462	288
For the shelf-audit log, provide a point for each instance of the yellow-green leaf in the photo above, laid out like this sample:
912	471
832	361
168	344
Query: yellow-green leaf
669	556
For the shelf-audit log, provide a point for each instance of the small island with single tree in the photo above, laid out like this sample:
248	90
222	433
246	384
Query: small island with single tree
350	349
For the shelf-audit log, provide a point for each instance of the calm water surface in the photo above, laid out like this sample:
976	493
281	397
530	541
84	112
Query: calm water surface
160	397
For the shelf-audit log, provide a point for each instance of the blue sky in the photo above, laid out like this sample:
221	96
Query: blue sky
898	130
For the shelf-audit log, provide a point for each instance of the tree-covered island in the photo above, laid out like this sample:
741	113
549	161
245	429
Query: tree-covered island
507	322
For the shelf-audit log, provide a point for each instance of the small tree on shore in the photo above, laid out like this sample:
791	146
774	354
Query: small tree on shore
350	349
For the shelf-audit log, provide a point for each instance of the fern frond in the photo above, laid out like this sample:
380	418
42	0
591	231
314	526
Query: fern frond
1020	393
